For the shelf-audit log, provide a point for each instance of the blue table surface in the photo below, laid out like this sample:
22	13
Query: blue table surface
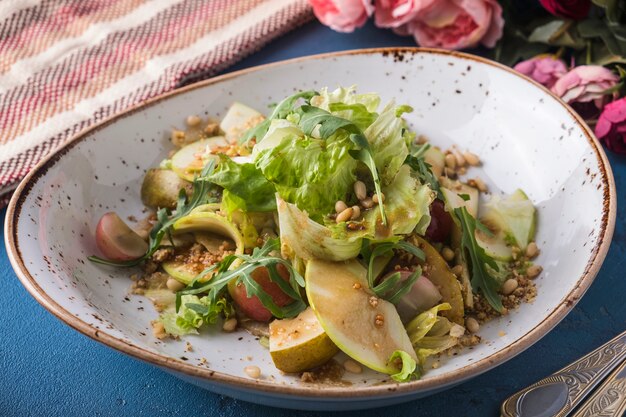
48	369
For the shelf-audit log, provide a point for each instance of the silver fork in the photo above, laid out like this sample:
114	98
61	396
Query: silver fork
560	393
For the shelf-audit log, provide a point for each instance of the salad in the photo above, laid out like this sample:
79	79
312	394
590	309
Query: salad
327	226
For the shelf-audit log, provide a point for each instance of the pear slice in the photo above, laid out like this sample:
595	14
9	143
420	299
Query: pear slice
300	343
190	159
514	215
365	327
209	223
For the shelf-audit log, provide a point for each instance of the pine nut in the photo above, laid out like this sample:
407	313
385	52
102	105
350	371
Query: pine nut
174	285
447	253
532	250
359	190
230	325
533	271
457	270
367	203
480	184
356	212
352	367
462	171
471	158
472	325
178	137
344	215
450	161
460	160
421	139
193	121
340	206
252	371
450	173
509	286
375	198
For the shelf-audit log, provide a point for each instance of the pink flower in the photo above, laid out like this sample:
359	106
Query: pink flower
584	88
569	9
342	15
611	126
456	24
395	13
545	69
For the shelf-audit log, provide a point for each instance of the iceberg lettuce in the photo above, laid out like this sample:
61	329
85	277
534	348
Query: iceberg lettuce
193	313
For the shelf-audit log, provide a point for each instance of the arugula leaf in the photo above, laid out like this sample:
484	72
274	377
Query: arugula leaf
481	279
409	369
200	195
312	116
281	111
422	169
224	272
390	289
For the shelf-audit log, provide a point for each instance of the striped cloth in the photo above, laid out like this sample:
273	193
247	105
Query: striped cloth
66	64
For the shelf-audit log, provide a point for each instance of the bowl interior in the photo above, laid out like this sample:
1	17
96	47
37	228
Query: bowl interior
525	138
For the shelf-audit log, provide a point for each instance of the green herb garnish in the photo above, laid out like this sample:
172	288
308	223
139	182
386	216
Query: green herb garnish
423	169
391	289
200	195
225	271
481	279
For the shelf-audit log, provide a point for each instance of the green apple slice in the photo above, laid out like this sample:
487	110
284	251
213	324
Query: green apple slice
367	329
300	343
513	215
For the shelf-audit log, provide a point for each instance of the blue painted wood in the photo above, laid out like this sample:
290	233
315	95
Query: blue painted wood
47	369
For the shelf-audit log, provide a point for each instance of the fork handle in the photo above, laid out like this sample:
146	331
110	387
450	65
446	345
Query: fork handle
558	394
609	400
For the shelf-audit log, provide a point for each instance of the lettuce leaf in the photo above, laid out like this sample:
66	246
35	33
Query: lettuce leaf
348	96
430	333
409	370
311	173
193	313
407	210
245	187
386	138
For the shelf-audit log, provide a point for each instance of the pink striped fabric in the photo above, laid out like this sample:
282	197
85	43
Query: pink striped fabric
66	64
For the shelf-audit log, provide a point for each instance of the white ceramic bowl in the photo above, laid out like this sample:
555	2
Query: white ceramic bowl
526	138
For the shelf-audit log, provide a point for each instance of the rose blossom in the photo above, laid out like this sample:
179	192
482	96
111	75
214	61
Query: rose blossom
545	69
456	24
584	88
342	15
570	9
395	13
611	126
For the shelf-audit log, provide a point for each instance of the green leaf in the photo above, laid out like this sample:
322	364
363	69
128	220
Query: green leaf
281	111
246	182
357	113
408	369
481	279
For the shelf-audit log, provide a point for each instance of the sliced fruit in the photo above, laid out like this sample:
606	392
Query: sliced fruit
181	271
422	296
190	159
440	222
161	187
252	306
494	246
439	273
300	343
436	159
238	119
209	222
514	215
211	207
117	241
366	328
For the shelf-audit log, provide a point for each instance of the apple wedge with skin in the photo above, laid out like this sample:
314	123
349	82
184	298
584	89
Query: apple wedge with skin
365	327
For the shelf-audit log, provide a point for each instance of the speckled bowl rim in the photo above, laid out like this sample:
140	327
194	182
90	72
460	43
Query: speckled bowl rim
329	393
